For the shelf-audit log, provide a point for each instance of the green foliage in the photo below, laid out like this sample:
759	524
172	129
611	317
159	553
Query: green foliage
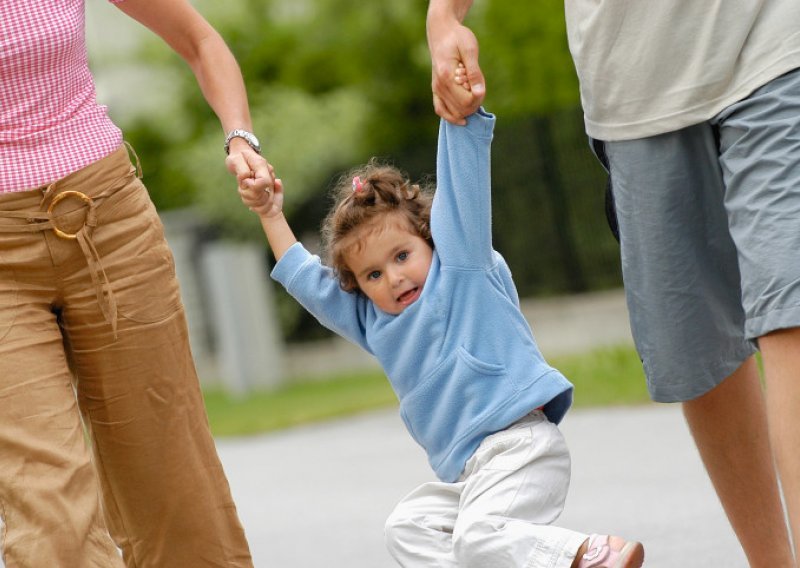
525	57
335	82
546	181
301	403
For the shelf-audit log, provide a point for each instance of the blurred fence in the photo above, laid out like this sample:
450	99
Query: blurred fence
230	309
549	207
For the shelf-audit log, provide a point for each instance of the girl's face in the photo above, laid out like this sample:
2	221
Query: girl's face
390	264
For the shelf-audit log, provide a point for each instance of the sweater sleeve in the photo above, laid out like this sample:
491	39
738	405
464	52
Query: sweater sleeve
317	289
461	218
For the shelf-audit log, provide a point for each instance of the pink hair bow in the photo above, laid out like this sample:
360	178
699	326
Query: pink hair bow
357	185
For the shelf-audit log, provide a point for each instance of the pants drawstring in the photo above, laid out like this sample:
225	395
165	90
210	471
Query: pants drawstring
44	220
102	285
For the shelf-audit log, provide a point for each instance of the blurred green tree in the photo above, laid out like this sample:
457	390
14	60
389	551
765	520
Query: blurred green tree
333	82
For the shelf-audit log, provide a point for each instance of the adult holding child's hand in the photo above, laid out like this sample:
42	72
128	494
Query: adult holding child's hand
251	169
451	43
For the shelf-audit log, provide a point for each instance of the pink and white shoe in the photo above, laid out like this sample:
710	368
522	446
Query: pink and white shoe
599	554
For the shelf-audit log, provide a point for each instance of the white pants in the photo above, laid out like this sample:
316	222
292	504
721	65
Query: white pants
498	514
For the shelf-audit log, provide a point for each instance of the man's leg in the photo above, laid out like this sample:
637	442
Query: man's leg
729	426
760	159
781	352
682	278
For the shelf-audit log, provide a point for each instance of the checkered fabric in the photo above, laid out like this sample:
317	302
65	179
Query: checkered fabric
50	122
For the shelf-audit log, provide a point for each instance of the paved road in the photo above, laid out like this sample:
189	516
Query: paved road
318	495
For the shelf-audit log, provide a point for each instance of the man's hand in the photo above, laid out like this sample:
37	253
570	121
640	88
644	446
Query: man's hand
451	44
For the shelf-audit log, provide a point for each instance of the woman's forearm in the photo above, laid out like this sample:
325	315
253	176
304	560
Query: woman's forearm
220	81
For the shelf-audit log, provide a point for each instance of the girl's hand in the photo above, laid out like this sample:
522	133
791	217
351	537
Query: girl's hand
266	202
461	78
255	177
250	168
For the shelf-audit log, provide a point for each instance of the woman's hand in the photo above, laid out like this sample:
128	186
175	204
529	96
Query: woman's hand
258	188
267	203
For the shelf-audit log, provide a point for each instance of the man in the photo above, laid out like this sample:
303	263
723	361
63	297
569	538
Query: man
695	111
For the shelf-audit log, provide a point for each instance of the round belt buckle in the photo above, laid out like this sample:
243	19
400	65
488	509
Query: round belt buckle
60	197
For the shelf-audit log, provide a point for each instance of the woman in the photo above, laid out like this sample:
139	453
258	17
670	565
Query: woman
89	305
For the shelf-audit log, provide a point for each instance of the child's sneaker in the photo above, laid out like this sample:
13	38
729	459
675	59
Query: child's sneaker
599	554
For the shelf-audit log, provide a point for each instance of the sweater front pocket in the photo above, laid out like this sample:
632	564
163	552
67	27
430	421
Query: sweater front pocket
452	402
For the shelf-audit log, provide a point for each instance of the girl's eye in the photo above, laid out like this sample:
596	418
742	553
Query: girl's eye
374	275
402	256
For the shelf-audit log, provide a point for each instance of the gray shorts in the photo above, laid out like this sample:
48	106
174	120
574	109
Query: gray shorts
709	222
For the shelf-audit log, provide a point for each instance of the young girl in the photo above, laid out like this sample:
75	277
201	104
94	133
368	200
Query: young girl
413	279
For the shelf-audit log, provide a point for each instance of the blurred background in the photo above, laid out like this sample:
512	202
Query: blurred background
331	84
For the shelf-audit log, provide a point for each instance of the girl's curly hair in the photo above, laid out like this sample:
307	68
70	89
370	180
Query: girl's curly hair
382	190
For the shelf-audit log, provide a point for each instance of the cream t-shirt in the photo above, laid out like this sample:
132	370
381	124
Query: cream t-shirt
652	66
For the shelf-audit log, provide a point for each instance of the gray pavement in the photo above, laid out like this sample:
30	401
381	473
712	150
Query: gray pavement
318	495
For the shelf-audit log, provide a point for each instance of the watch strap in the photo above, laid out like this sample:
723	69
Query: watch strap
248	137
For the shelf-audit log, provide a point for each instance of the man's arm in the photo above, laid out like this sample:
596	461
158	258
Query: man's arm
451	43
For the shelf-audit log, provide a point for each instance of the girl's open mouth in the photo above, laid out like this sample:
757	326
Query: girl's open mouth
409	296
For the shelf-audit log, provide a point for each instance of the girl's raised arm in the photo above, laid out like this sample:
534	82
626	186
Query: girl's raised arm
461	218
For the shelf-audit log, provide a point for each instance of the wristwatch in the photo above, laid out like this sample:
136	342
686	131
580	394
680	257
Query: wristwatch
248	137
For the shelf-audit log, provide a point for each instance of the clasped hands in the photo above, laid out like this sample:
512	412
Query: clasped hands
258	187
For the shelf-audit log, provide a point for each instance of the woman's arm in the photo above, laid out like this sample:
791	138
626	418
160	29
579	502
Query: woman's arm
217	73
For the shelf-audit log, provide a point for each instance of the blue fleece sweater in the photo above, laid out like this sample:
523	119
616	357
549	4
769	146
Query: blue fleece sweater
462	358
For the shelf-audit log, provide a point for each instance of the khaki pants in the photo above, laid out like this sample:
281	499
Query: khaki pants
99	316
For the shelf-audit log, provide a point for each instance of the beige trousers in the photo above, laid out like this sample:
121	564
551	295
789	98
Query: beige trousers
94	346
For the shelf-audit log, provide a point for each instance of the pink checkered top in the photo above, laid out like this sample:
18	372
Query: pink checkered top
50	122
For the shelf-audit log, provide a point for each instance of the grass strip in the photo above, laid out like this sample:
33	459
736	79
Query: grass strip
608	376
